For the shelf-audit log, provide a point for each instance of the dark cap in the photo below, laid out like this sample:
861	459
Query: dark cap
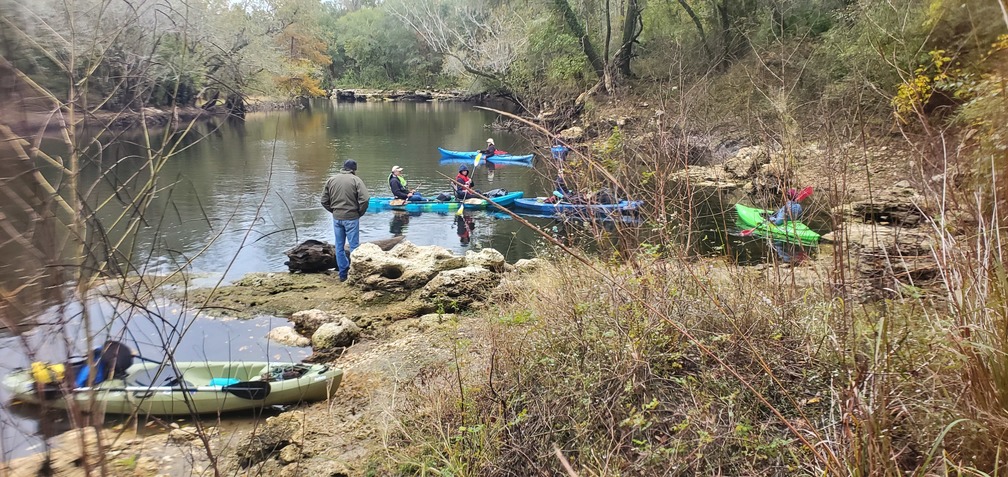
350	165
463	168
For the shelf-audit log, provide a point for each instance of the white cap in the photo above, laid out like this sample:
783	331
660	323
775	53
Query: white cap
396	168
490	140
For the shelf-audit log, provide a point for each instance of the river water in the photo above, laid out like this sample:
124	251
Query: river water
236	195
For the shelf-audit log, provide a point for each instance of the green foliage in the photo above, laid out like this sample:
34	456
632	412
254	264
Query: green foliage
372	48
555	55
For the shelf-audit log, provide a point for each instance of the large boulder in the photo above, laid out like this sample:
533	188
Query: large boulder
886	258
746	162
529	265
487	258
405	268
286	335
307	321
898	204
336	335
456	290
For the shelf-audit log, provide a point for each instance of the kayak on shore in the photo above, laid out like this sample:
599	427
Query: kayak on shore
201	387
754	219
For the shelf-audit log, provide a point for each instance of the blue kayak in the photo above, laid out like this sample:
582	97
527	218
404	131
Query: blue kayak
432	205
468	160
540	206
471	155
559	152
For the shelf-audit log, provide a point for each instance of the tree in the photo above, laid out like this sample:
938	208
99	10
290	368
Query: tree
483	41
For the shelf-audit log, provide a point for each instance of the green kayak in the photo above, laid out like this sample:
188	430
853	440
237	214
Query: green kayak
754	219
205	387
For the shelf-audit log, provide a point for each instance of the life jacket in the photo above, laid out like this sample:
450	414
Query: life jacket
111	360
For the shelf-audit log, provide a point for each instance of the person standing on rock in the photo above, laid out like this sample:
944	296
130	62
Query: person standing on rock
346	197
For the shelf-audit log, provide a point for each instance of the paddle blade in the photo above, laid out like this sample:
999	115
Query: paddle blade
476	161
251	390
747	232
460	209
804	193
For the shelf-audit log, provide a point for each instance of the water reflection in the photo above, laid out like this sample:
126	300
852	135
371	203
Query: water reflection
400	219
791	253
464	225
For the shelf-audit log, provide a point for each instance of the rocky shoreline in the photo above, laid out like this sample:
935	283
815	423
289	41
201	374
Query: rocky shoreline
395	316
398	314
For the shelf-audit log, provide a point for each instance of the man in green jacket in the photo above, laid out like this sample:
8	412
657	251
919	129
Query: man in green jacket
346	197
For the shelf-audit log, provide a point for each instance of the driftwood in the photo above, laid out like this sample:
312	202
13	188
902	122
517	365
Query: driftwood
313	256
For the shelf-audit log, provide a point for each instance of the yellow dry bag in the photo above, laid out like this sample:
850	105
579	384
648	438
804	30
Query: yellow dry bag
45	373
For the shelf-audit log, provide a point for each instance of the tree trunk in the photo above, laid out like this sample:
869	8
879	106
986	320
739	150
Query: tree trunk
235	105
596	61
700	29
632	27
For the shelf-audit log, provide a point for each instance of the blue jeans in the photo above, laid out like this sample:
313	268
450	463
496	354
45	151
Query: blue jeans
346	231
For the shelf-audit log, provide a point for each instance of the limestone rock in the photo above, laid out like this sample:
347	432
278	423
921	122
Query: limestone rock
527	265
278	432
286	335
290	454
746	162
891	240
571	134
405	268
180	435
307	321
487	258
898	205
456	290
333	335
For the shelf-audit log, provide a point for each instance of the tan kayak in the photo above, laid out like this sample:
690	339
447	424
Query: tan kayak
200	387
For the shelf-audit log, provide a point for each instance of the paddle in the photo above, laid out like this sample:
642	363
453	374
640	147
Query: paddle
251	390
800	196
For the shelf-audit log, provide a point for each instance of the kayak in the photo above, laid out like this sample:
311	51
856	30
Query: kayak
445	160
755	219
540	206
205	387
559	152
471	155
432	205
